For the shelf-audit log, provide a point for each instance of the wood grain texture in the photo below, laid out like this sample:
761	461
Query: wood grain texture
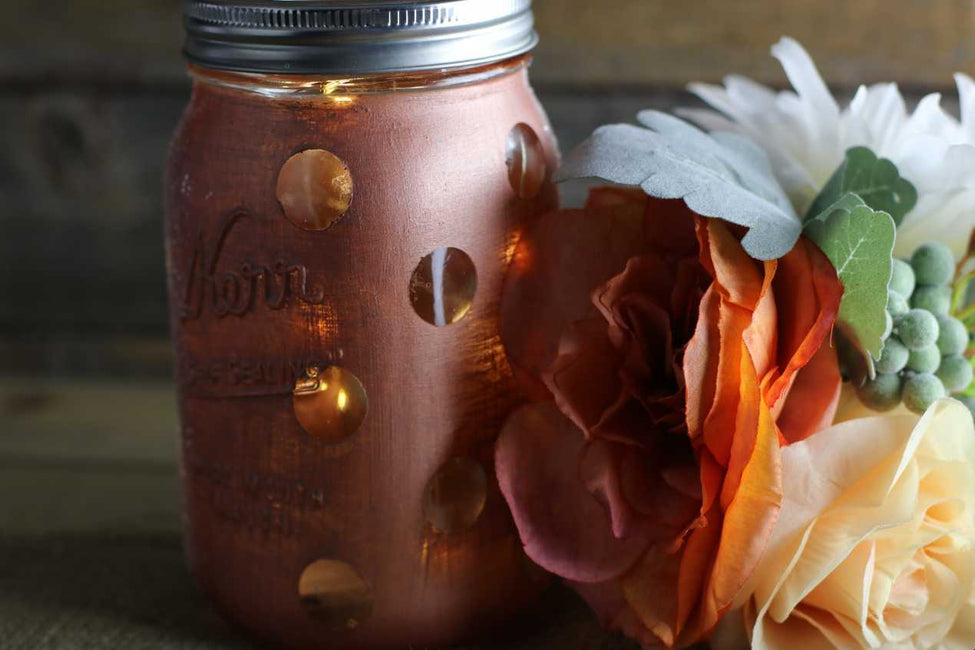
661	42
92	40
81	211
914	42
54	423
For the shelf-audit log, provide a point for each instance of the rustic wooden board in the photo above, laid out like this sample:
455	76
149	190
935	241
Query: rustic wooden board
914	42
81	211
48	423
660	42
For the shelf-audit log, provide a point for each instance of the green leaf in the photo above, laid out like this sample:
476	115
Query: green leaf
970	391
875	180
960	292
856	365
967	316
859	241
963	290
847	202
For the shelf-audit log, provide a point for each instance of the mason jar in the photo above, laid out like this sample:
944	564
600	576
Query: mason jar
344	192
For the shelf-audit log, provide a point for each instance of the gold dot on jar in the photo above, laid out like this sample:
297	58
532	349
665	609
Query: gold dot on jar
455	496
314	189
525	158
335	595
330	404
443	286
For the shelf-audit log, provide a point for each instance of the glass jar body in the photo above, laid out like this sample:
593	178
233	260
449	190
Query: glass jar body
337	440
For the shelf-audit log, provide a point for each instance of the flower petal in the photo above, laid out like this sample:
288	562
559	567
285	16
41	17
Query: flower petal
808	294
670	228
564	528
813	398
749	518
814	104
557	264
650	589
584	379
848	484
701	363
738	277
600	469
966	96
722	551
604	598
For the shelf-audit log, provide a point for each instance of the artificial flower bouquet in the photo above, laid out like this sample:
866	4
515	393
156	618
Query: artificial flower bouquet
748	367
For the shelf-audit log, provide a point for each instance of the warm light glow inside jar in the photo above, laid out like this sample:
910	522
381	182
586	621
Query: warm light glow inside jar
343	195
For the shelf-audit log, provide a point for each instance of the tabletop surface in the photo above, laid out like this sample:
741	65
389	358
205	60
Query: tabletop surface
90	551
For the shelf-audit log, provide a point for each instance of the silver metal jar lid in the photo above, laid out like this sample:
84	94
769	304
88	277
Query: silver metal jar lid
355	37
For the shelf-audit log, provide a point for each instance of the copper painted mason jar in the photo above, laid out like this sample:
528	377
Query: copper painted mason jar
344	192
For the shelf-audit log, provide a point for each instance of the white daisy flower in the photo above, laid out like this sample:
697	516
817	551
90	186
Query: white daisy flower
806	134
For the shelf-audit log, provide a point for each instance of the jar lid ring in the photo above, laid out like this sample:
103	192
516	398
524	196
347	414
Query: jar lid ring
355	37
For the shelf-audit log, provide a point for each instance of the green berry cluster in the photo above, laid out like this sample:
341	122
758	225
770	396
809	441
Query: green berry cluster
923	356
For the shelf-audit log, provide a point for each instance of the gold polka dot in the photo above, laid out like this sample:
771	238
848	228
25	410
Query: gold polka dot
314	189
443	286
525	158
335	595
455	496
330	404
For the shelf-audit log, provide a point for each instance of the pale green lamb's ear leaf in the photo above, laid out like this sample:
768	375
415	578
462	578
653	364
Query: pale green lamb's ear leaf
724	176
875	180
859	241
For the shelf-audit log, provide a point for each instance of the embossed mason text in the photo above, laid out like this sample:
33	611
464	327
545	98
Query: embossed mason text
223	292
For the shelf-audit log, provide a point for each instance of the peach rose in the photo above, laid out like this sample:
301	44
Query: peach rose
875	546
668	368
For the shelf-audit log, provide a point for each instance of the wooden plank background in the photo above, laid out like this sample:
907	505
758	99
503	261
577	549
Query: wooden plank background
663	42
635	42
90	91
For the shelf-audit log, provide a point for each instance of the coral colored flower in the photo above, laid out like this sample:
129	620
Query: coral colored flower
668	368
875	547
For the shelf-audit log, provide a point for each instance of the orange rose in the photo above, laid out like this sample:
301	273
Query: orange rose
668	367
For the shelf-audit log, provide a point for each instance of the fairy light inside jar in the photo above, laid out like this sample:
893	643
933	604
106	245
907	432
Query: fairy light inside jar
443	286
455	496
330	404
314	189
335	595
525	158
